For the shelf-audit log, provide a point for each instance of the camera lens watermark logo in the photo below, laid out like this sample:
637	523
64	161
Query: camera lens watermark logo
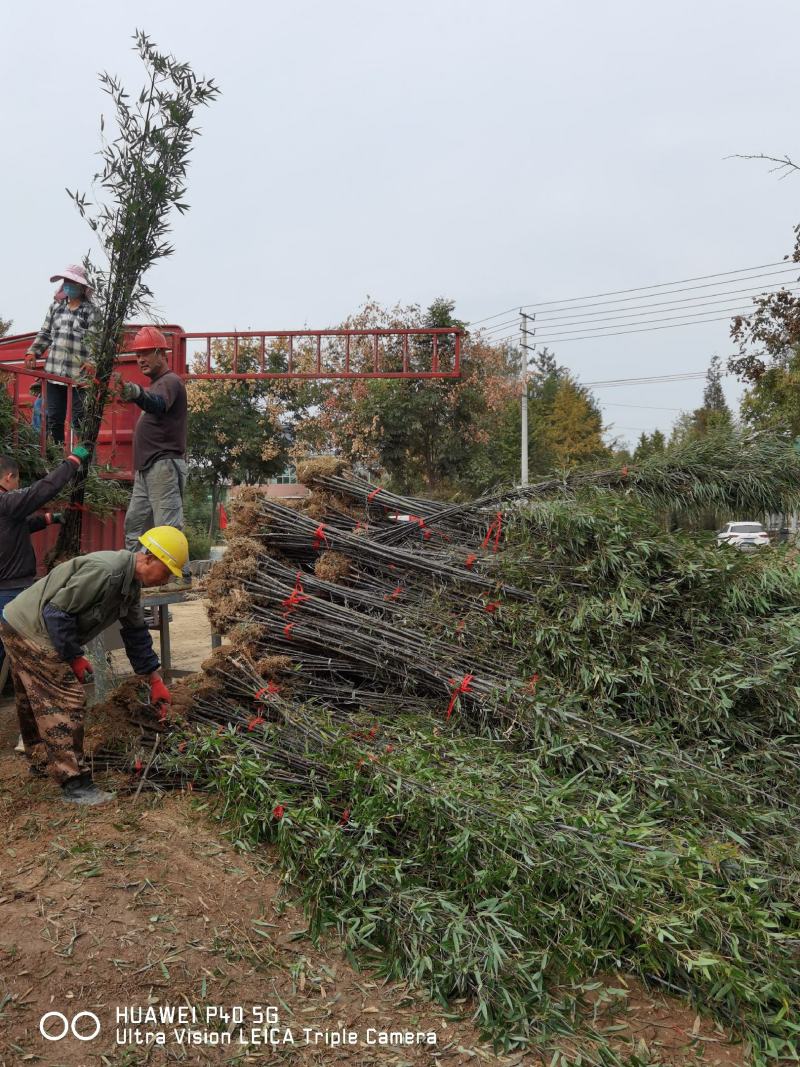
54	1026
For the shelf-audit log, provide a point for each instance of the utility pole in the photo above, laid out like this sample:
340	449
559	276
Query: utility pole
524	398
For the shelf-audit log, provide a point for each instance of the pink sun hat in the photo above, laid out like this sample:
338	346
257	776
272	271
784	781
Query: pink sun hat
73	273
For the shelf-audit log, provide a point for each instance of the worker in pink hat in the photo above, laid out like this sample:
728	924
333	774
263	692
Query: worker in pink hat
68	332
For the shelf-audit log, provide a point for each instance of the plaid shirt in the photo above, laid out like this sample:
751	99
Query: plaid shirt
67	334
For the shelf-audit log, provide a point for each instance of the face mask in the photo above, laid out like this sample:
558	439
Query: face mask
72	290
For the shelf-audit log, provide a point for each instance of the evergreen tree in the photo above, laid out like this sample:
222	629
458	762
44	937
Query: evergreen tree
573	429
714	417
713	396
648	445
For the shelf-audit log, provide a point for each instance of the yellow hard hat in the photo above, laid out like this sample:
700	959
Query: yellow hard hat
169	545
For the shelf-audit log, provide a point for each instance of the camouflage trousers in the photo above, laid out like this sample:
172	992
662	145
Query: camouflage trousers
50	706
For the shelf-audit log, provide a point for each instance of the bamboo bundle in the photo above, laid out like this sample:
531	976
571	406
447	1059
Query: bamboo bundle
553	742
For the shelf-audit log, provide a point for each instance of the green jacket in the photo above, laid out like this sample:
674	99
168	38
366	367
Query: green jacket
78	600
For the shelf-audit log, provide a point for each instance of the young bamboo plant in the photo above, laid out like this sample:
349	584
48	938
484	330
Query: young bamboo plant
144	177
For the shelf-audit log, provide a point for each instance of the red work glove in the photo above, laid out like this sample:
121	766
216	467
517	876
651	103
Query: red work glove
82	669
159	694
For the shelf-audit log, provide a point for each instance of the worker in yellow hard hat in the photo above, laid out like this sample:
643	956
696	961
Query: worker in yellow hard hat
44	630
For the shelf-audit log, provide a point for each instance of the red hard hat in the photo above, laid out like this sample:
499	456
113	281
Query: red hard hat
148	337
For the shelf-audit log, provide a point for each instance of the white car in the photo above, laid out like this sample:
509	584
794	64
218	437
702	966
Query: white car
745	535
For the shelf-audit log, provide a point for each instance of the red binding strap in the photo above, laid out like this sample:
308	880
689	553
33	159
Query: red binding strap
464	686
496	529
296	597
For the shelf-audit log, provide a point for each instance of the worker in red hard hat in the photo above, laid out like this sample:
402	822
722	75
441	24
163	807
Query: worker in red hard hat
68	331
159	440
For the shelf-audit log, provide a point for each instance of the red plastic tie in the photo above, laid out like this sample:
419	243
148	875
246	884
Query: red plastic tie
496	528
469	562
345	819
371	496
395	593
492	606
319	536
271	688
287	631
464	686
296	597
257	720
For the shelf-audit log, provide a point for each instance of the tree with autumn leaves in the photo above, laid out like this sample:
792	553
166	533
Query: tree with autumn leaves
446	437
442	437
421	434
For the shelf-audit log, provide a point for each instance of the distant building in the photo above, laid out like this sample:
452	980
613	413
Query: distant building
283	486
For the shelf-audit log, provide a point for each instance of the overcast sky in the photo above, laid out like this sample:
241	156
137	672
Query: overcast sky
498	153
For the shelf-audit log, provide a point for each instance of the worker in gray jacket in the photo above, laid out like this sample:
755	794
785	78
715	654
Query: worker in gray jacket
159	440
44	630
18	521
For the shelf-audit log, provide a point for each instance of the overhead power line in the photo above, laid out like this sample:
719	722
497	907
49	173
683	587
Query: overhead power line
648	288
560	330
611	428
687	303
639	407
617	333
653	379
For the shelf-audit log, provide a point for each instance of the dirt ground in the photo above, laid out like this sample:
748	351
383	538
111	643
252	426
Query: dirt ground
144	903
190	638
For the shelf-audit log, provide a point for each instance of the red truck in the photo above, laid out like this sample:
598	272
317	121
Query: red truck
279	354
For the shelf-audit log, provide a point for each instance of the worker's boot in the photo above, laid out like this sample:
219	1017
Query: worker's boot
82	790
